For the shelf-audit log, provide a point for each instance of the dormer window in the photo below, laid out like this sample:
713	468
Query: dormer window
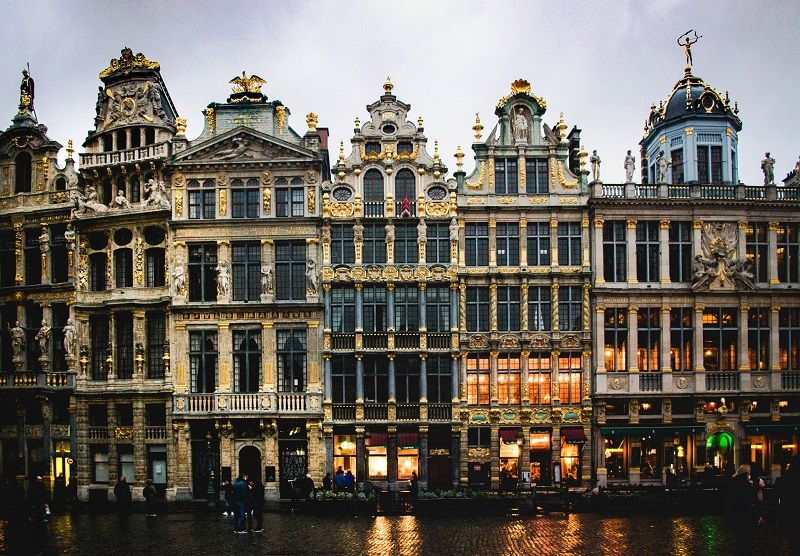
405	147
372	147
388	129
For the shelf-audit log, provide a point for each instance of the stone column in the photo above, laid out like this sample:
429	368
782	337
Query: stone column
663	240
493	377
270	342
525	451
423	454
742	355
423	378
772	240
458	446
44	247
46	358
182	463
391	455
554	307
555	391
392	379
224	356
492	241
390	307
361	456
455	375
774	339
47	431
633	343
666	341
586	260
523	306
139	340
523	239
113	456
599	270
462	306
359	379
179	343
462	254
524	359
423	304
139	437
327	435
630	236
697	348
600	336
495	455
493	307
554	244
328	396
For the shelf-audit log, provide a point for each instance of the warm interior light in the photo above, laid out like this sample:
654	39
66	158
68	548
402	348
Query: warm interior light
783	403
646	406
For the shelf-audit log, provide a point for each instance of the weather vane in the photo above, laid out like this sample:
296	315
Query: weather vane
688	42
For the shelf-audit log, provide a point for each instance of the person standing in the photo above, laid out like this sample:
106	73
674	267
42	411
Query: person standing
149	494
349	481
414	485
227	493
742	511
240	495
257	504
326	482
785	501
37	500
338	485
122	492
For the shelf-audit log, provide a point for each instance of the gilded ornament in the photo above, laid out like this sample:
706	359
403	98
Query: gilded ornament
178	202
562	181
311	176
439	210
280	117
491	174
128	61
266	177
481	177
312	120
342	210
312	200
222	178
478	127
475	201
223	202
245	84
139	260
266	195
211	120
506	200
178	180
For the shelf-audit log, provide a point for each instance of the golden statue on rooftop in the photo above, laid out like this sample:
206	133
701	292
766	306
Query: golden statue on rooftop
246	84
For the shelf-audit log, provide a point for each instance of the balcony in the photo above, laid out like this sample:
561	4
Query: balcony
50	381
376	411
376	340
247	404
343	341
148	152
721	382
98	434
344	412
438	340
715	192
790	381
650	382
440	411
155	433
407	412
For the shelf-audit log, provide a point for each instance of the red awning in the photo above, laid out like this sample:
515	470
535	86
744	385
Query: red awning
573	435
509	436
377	439
407	440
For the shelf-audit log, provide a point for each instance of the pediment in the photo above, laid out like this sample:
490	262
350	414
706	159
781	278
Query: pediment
244	145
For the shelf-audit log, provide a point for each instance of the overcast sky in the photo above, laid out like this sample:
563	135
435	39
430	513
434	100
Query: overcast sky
601	63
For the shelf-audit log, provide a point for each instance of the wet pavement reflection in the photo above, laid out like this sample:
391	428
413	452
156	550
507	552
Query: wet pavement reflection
290	534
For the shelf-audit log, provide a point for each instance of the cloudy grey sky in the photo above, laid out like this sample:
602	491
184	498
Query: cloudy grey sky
601	63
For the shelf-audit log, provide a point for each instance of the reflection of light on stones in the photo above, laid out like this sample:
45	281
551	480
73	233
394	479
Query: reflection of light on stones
682	536
615	528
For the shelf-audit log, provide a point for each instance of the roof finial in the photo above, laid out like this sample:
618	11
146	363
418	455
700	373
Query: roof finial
436	150
341	151
70	150
387	85
459	158
687	44
478	127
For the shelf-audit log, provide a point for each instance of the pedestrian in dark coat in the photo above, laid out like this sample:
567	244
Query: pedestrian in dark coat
240	495
122	492
339	480
37	500
786	502
326	482
149	493
257	503
742	511
349	481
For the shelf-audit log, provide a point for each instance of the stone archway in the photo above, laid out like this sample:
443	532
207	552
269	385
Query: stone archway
250	462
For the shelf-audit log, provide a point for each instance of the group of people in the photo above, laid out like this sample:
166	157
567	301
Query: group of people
122	492
244	501
746	507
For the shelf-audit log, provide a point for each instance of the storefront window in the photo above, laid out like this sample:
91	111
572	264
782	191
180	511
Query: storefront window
571	463
407	462
540	458
509	464
650	467
719	447
377	463
615	457
344	452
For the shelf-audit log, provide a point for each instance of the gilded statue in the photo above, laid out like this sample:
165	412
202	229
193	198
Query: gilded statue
246	84
688	42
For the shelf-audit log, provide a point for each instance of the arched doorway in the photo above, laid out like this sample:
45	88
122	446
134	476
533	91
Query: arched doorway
719	447
250	462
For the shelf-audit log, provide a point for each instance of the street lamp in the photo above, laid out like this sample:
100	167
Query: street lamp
210	465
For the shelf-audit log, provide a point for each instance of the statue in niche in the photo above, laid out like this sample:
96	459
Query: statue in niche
266	279
390	231
358	232
422	231
223	279
69	239
768	166
155	195
120	201
69	339
101	98
179	277
17	340
453	229
520	126
154	95
595	162
43	336
311	277
661	167
717	266
630	167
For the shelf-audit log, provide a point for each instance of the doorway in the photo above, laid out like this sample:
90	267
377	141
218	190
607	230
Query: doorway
250	462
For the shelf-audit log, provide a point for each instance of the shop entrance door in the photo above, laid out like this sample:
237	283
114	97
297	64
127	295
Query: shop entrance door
439	473
293	463
250	462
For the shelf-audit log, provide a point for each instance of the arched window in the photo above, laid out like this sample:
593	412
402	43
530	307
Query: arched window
108	193
373	186
122	140
22	173
404	185
61	184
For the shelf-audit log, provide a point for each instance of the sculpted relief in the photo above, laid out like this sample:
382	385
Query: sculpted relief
718	267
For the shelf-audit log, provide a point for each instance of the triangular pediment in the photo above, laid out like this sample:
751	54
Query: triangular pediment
243	144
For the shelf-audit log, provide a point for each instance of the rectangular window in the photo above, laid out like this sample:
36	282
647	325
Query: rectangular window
100	465
8	261
406	308
681	338
649	326
677	167
289	201
437	308
438	248
374	309
680	251
245	198
123	267
59	256
507	244
648	251
757	246
569	308
98	331
343	250
154	267
246	359
343	378
478	376
203	353
290	270
536	175
709	164
476	243
156	343
789	338
702	165
505	176
616	340
758	338
123	330
246	270
614	251
477	309
33	318
569	243
202	200
538	244
509	375
292	361
376	379
569	378
60	316
406	371
343	309
440	378
374	246
539	308
720	329
508	308
202	271
539	378
33	256
405	243
788	255
479	437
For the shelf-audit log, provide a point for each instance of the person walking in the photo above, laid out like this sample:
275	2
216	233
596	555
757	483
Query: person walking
149	493
240	494
742	511
227	493
785	501
122	492
37	500
257	503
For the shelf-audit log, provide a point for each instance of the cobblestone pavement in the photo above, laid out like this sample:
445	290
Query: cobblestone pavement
204	534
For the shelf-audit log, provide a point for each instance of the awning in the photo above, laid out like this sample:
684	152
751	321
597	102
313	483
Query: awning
407	440
376	439
628	429
573	435
778	427
509	436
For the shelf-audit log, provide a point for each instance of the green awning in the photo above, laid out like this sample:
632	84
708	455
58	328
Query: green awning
630	429
778	427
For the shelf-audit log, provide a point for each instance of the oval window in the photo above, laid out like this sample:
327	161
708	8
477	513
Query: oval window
437	193
153	235
388	129
341	194
98	240
123	236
